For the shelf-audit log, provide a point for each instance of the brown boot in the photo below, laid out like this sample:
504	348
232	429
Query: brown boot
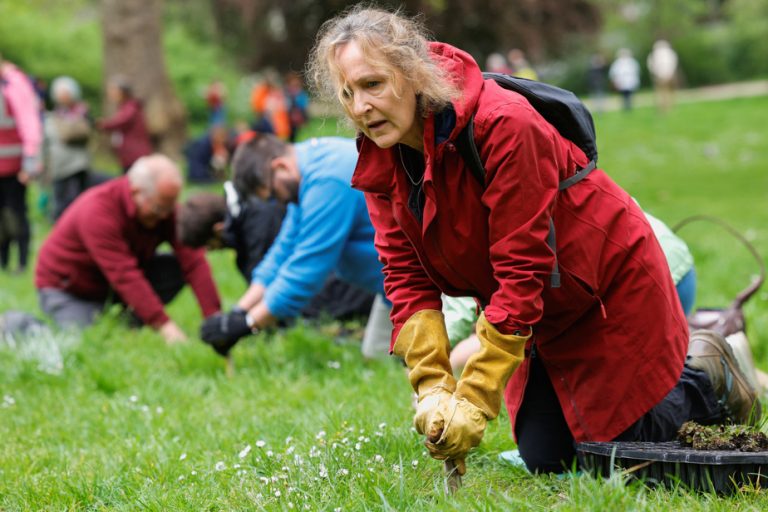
709	352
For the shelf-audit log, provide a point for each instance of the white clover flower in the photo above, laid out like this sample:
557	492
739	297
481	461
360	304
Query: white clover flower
378	458
278	493
334	365
220	466
314	452
285	468
307	507
8	401
181	478
414	463
378	434
183	456
269	453
358	446
289	440
274	479
264	480
144	408
260	444
298	460
193	473
334	445
236	466
337	509
395	468
382	426
290	450
320	435
133	398
323	471
244	452
290	504
343	472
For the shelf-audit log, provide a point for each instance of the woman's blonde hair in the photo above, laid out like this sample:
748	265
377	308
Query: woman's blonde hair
392	43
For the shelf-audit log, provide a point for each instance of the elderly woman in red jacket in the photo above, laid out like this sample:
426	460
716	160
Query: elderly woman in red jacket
600	357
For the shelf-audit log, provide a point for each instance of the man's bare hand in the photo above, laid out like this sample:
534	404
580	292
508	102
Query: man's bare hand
172	333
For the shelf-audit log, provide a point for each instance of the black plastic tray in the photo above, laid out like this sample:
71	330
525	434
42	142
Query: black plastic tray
671	463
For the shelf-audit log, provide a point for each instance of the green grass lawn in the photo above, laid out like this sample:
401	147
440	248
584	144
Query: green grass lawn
113	419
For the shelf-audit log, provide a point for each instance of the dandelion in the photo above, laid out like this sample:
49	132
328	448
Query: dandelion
244	452
220	466
334	365
260	444
183	456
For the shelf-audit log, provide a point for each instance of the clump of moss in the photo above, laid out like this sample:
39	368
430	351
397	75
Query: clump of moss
722	437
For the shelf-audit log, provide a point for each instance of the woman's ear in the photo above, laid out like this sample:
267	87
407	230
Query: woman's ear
218	229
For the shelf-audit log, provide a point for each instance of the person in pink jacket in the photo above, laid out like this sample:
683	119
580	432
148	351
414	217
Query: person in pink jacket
21	138
599	355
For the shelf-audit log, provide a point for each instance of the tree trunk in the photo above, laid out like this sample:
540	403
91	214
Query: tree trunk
133	48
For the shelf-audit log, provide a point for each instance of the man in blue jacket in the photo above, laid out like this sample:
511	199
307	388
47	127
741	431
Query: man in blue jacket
326	229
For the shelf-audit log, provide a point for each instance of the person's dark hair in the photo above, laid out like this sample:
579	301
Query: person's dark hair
251	164
197	216
122	83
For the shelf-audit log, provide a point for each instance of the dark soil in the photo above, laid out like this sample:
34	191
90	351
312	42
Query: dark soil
740	438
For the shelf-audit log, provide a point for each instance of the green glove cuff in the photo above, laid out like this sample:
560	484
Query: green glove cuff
487	371
423	343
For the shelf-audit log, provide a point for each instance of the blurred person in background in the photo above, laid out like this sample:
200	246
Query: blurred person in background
127	127
521	68
103	250
662	64
270	107
68	129
625	76
21	137
297	101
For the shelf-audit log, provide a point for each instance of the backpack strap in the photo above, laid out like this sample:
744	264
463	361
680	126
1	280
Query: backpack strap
467	147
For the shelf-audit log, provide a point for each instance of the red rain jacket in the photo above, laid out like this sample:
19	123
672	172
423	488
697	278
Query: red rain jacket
613	336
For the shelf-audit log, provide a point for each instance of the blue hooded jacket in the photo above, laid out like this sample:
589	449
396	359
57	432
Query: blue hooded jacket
329	230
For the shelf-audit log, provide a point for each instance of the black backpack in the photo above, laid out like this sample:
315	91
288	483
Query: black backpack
560	108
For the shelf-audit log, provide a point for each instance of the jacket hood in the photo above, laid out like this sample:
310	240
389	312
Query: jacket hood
466	74
370	174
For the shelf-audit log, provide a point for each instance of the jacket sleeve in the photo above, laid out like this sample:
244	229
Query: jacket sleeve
113	256
521	188
122	117
406	283
327	213
25	105
197	273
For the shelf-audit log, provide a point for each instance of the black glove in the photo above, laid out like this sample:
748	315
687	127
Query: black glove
223	330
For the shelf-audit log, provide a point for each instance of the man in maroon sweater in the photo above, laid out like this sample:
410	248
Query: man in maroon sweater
103	249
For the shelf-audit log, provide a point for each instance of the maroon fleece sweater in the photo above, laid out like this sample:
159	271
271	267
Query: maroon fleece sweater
99	244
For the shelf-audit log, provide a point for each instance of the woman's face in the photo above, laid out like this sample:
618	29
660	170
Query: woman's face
384	115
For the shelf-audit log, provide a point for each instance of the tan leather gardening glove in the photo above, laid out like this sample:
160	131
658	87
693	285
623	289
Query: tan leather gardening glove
423	343
478	393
